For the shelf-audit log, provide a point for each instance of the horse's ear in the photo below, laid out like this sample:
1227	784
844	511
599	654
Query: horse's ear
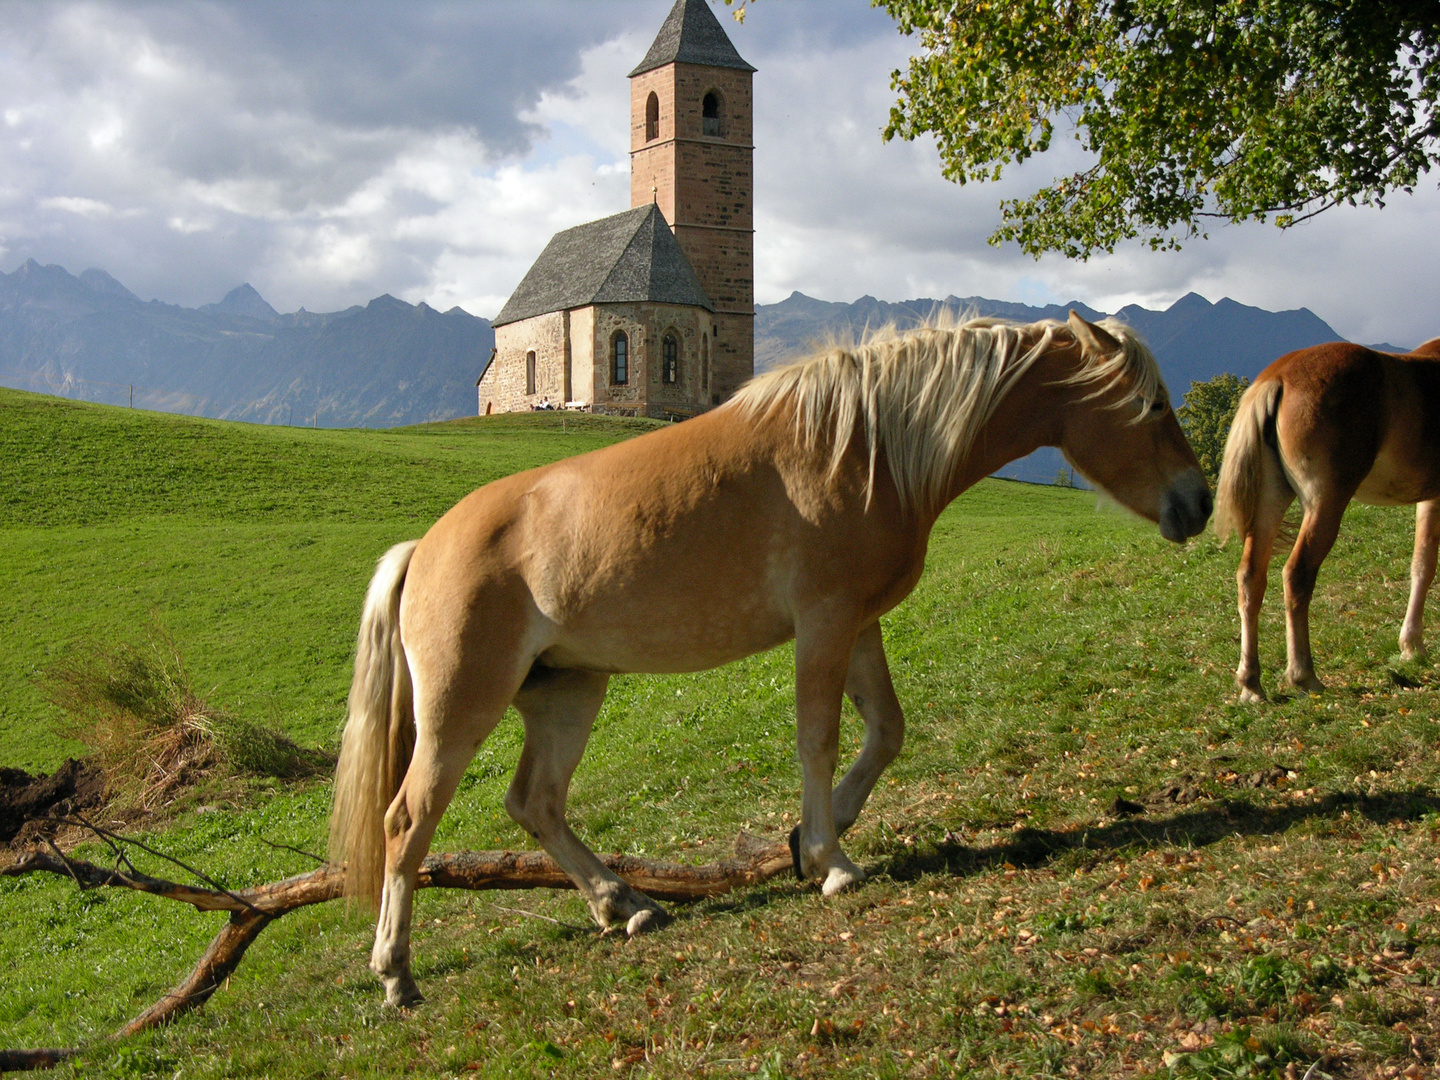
1092	338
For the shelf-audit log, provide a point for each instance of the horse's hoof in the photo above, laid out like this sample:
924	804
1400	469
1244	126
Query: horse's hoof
841	878
646	920
795	852
1306	684
403	993
1251	695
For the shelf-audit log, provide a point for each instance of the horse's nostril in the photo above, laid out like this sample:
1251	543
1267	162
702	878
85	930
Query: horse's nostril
1207	504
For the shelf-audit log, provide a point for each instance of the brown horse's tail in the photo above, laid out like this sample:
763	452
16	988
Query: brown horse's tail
1242	468
379	734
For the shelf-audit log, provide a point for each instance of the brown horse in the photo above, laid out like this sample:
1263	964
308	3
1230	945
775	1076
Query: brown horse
800	509
1328	424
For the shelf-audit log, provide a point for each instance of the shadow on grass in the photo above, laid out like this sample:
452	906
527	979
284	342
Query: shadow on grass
1030	848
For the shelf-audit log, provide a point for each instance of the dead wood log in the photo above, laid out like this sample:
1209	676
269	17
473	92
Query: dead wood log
25	1060
253	909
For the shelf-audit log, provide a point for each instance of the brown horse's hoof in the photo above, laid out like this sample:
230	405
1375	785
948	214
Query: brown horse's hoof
646	920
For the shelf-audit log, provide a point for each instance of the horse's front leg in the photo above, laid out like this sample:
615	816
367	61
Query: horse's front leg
869	687
559	708
822	662
1422	573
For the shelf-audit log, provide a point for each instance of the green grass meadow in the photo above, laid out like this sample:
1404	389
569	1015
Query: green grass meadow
1267	902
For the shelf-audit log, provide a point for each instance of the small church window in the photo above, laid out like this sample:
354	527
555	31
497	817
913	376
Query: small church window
705	359
710	115
670	360
619	359
530	372
652	117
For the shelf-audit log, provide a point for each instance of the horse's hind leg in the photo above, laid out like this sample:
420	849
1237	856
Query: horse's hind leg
1422	573
559	707
435	771
869	687
1318	529
1275	499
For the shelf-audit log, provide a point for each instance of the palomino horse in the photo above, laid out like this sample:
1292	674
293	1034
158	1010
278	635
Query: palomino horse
1328	424
799	509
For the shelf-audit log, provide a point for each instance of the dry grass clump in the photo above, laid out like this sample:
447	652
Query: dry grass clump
134	706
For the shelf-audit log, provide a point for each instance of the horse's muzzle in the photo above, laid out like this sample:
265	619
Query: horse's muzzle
1186	507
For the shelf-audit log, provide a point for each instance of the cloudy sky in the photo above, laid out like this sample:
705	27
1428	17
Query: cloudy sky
330	152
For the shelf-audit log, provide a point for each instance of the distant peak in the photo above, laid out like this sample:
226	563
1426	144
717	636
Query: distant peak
1191	301
103	283
244	300
32	267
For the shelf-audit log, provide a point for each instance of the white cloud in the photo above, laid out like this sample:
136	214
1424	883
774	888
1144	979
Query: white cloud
90	208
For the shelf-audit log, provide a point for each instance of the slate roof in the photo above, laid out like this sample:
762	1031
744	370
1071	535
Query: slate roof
621	259
691	35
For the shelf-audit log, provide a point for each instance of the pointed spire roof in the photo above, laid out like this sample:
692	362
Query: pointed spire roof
620	259
691	34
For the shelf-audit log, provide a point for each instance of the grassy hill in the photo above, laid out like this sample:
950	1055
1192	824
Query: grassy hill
1274	903
252	545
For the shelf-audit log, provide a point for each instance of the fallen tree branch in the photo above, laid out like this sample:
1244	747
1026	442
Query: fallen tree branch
253	909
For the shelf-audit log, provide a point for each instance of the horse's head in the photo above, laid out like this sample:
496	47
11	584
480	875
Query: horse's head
1120	432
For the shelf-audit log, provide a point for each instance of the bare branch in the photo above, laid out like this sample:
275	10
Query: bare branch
253	909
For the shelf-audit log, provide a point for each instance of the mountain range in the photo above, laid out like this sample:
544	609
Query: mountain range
381	365
389	363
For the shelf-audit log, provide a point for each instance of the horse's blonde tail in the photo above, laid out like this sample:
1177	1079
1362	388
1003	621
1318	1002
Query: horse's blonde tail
379	734
1242	468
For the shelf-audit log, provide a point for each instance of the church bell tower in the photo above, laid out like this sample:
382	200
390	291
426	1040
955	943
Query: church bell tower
691	153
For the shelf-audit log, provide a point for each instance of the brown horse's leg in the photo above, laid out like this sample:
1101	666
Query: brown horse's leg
822	662
1275	498
1318	529
869	687
559	707
1422	573
410	823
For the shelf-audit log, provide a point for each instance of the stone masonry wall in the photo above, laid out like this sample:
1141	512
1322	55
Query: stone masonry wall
503	385
645	394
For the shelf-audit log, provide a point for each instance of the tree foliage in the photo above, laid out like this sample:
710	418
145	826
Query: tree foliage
1189	109
1205	418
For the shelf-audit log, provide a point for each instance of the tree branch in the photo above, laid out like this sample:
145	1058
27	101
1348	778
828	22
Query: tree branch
253	909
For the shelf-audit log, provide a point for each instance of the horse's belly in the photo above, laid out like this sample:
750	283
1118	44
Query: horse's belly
1398	478
684	651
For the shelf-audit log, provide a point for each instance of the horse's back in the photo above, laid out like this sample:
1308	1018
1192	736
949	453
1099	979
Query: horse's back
657	553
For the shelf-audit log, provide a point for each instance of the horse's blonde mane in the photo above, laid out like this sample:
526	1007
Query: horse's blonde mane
924	395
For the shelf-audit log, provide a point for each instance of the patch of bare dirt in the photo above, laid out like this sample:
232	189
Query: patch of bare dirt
25	800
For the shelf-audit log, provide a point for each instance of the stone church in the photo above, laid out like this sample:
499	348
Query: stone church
650	312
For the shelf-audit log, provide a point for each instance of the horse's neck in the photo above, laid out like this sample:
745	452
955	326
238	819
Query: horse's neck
1027	419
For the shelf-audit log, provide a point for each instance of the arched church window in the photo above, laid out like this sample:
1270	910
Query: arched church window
652	117
530	372
619	359
670	360
710	119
